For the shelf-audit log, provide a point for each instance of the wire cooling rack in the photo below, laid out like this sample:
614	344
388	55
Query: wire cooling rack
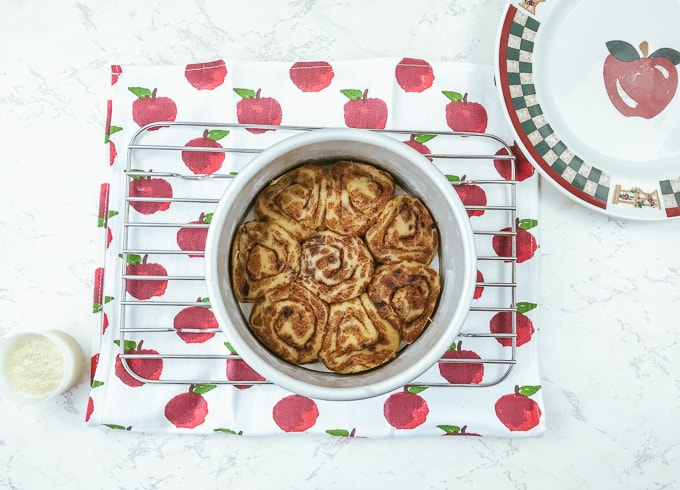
156	154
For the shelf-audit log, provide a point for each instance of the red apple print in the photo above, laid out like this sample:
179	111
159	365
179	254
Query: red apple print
640	86
205	162
414	75
363	112
116	70
149	368
94	360
417	142
238	370
105	323
109	237
113	153
193	238
148	108
197	318
150	187
104	212
109	130
145	288
517	411
479	290
464	116
461	373
501	323
254	109
99	300
295	413
470	194
189	409
311	76
206	76
90	409
406	409
454	430
523	169
526	242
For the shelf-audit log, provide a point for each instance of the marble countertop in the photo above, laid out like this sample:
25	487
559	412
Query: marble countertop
610	289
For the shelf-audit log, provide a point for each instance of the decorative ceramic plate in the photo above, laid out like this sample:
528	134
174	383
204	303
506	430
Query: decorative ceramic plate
590	88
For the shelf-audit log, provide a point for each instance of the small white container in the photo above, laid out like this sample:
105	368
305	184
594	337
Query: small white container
38	365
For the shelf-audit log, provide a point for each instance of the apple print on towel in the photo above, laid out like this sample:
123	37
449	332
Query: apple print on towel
116	71
640	86
523	168
501	323
150	188
463	115
470	194
255	109
144	288
206	76
295	413
196	318
406	409
109	130
417	142
189	409
311	76
193	239
526	245
104	212
238	370
454	430
149	108
414	75
362	111
149	368
464	372
90	409
205	162
99	299
479	290
517	411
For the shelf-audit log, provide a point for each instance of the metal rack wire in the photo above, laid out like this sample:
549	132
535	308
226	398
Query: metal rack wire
146	151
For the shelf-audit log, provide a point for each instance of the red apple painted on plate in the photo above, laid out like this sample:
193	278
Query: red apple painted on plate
463	115
479	290
149	368
116	71
195	318
526	245
150	188
206	76
145	288
640	86
205	162
417	142
454	430
406	409
238	370
414	75
501	323
189	409
470	194
255	109
463	372
149	108
523	168
517	411
364	112
311	76
193	238
295	413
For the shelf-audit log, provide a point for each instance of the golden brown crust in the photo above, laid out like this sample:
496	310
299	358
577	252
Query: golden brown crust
335	267
263	256
291	322
357	192
404	230
357	338
405	294
296	200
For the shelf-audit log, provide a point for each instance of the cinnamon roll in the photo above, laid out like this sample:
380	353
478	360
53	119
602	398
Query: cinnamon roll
291	322
335	267
404	230
405	294
357	338
296	201
357	192
263	256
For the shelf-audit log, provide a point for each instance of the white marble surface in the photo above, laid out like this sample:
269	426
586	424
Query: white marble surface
610	341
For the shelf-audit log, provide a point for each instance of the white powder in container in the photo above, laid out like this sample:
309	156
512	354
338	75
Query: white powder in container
34	366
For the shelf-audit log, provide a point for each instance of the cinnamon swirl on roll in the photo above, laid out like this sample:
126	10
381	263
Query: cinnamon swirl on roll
405	294
357	192
296	200
291	322
335	267
263	256
404	230
357	338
